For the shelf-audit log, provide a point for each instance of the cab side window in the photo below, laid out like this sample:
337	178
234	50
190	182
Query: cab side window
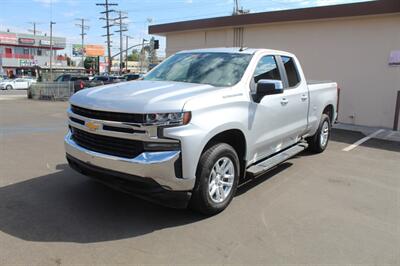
267	68
291	71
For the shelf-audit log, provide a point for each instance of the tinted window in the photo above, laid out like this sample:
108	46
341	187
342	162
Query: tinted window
267	69
291	71
100	78
66	78
131	77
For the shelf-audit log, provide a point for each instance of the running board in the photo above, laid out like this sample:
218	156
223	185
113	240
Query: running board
267	164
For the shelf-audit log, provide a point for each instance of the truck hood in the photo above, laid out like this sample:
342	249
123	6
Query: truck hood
141	96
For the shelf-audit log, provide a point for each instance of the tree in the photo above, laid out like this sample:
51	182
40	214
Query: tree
69	61
152	52
134	56
89	62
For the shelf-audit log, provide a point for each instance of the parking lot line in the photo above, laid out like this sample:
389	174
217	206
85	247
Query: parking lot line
361	141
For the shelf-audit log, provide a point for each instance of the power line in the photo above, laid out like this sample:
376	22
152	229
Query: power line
107	12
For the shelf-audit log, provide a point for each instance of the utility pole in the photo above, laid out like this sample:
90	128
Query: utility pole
83	33
142	55
126	54
122	28
33	30
107	12
238	10
51	50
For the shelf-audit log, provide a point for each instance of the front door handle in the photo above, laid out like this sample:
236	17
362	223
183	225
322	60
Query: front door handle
284	101
304	97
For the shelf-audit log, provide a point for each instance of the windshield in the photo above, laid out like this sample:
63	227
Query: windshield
217	69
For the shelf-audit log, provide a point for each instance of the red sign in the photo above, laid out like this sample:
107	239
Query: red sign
26	41
9	38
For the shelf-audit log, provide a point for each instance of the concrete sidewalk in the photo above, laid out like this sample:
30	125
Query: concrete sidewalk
386	133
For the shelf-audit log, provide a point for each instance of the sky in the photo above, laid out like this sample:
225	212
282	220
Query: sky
17	14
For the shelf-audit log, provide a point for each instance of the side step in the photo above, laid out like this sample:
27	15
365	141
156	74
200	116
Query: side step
267	164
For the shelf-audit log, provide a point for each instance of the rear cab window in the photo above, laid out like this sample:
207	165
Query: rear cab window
291	71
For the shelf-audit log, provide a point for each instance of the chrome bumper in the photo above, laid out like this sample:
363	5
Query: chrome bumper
159	166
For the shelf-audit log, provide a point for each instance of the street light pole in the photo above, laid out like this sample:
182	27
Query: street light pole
51	50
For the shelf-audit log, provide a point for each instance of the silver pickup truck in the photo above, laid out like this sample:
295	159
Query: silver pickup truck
198	123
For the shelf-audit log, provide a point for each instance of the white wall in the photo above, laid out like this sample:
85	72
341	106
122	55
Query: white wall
354	52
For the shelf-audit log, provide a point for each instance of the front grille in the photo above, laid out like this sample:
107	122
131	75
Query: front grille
109	116
107	145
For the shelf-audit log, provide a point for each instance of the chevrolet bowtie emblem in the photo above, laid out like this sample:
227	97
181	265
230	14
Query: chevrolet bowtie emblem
92	125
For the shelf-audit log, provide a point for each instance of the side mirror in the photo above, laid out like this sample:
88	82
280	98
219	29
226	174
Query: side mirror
267	87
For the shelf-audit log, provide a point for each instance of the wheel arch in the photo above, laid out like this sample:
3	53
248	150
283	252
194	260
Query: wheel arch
235	138
329	111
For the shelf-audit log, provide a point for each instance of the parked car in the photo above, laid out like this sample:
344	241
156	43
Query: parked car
15	84
129	77
80	82
104	80
3	77
198	123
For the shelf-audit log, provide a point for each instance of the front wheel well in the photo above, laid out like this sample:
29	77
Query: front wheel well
236	139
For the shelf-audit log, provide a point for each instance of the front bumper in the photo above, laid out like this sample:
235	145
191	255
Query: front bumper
161	167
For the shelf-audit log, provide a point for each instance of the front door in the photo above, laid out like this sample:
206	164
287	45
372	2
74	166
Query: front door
278	120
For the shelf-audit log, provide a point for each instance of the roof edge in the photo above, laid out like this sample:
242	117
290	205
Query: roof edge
311	13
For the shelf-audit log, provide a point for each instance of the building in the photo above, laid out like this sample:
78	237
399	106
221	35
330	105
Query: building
24	54
133	67
357	45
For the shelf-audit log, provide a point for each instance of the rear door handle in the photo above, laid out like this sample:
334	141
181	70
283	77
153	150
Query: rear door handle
304	97
284	101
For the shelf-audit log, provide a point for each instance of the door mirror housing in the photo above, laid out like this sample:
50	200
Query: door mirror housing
267	87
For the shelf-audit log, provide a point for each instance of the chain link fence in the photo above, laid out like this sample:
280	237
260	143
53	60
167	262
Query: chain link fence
54	91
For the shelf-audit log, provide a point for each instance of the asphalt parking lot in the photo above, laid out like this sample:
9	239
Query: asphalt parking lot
334	208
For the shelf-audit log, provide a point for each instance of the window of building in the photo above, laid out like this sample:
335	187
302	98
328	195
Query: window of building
39	52
291	71
25	51
267	68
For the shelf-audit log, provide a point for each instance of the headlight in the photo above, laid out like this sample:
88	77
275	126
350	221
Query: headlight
168	119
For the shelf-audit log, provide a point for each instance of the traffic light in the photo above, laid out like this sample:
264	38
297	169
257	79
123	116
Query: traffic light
156	45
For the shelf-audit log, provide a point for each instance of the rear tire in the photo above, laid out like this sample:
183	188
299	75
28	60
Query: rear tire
216	179
319	141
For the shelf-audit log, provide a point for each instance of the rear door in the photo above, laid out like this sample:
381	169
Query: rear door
18	84
294	101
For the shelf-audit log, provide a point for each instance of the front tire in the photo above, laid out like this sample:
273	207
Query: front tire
216	179
9	87
319	141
